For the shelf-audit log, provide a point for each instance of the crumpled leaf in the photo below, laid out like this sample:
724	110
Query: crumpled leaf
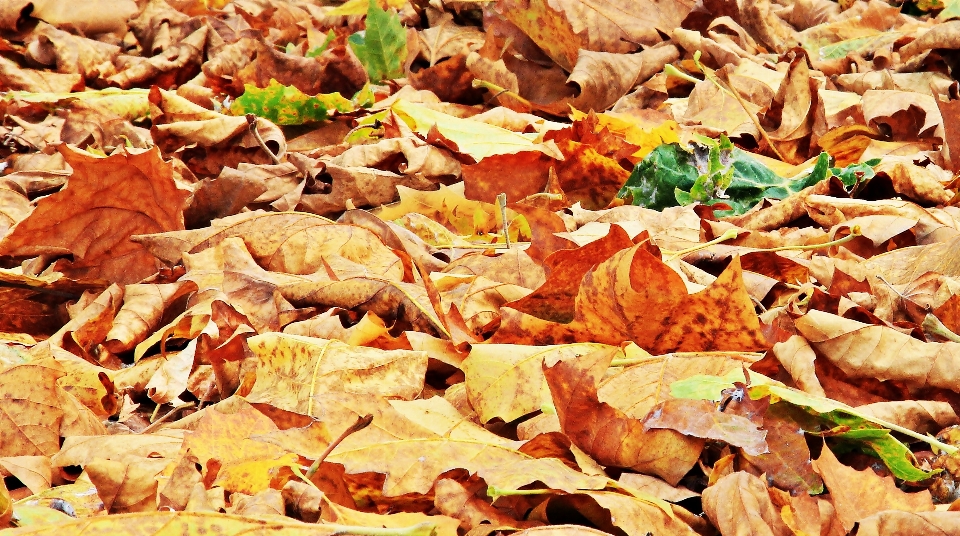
740	499
618	302
608	434
106	201
859	494
703	419
561	29
858	427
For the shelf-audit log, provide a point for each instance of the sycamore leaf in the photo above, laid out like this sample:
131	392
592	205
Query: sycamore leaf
295	368
382	47
506	381
605	432
287	105
739	502
858	494
412	465
703	419
131	104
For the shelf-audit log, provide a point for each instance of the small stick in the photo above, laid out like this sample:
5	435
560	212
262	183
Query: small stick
362	422
166	417
502	203
252	124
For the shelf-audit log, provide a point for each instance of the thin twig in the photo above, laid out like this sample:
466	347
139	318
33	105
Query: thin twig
252	125
362	422
502	203
156	424
712	76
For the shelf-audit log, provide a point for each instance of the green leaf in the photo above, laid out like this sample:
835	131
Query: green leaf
287	105
382	47
865	432
655	179
316	51
714	172
951	10
855	174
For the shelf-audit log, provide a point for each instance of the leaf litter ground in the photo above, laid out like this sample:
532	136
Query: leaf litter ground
421	268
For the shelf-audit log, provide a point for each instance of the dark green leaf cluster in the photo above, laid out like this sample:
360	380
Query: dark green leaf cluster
715	172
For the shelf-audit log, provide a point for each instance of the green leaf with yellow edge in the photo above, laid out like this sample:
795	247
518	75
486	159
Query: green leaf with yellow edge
382	47
287	105
868	432
473	138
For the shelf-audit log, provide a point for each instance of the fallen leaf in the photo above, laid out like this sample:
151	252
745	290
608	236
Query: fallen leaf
848	493
107	201
605	432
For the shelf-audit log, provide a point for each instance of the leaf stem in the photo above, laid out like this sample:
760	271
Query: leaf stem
166	417
495	493
252	125
647	498
627	361
949	449
362	422
497	91
932	324
711	75
729	234
502	203
854	232
670	70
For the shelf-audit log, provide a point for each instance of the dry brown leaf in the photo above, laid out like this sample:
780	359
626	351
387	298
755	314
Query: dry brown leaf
605	432
294	368
864	351
891	522
859	494
701	418
107	201
506	381
31	411
738	503
498	465
617	302
561	29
